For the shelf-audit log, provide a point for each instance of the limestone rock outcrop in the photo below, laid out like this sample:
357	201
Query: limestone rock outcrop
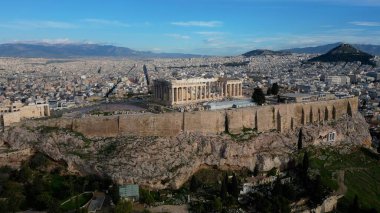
168	162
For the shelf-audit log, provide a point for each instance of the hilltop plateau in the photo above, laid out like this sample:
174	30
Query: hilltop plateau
168	162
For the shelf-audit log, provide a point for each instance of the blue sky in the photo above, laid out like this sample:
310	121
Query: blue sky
217	27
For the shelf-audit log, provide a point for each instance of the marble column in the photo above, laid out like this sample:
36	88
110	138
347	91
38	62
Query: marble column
203	92
161	92
155	91
196	93
158	92
222	90
174	95
186	92
200	92
209	90
181	94
206	91
191	93
178	94
171	95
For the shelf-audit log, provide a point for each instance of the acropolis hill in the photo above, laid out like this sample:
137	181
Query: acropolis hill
282	117
163	150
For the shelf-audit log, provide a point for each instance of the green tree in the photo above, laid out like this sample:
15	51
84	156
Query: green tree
226	126
305	164
318	191
234	186
217	204
25	175
38	161
114	193
364	104
13	191
54	207
300	137
193	184
223	188
146	197
269	91
354	207
256	170
258	96
281	204
275	89
3	206
124	207
76	201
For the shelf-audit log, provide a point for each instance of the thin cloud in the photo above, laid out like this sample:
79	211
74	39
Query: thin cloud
365	3
366	23
38	25
52	41
214	42
209	33
178	36
105	22
198	23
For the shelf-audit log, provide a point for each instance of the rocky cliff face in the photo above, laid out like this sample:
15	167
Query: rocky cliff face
158	162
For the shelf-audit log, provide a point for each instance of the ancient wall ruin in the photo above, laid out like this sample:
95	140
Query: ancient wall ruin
25	112
282	117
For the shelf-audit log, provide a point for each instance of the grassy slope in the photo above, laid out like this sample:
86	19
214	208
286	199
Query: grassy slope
362	174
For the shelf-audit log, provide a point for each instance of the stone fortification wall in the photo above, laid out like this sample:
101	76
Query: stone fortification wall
25	112
283	117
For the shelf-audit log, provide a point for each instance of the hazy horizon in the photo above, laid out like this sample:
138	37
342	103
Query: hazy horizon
208	27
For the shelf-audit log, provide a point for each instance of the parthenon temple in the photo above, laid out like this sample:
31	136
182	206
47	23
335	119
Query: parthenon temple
194	90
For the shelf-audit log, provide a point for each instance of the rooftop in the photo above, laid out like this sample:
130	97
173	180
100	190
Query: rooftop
296	95
131	190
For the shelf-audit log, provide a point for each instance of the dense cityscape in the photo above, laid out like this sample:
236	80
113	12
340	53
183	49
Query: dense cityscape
201	106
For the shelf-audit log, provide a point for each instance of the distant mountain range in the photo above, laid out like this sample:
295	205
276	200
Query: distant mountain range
369	48
44	50
75	50
345	53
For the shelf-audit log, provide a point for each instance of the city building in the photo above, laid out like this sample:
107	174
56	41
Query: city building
195	90
338	80
15	112
374	74
229	104
302	97
129	192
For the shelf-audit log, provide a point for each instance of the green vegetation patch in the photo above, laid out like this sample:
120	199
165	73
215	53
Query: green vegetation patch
35	187
51	129
361	174
109	149
245	135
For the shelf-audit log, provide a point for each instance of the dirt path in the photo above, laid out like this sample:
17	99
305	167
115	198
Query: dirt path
340	178
170	209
